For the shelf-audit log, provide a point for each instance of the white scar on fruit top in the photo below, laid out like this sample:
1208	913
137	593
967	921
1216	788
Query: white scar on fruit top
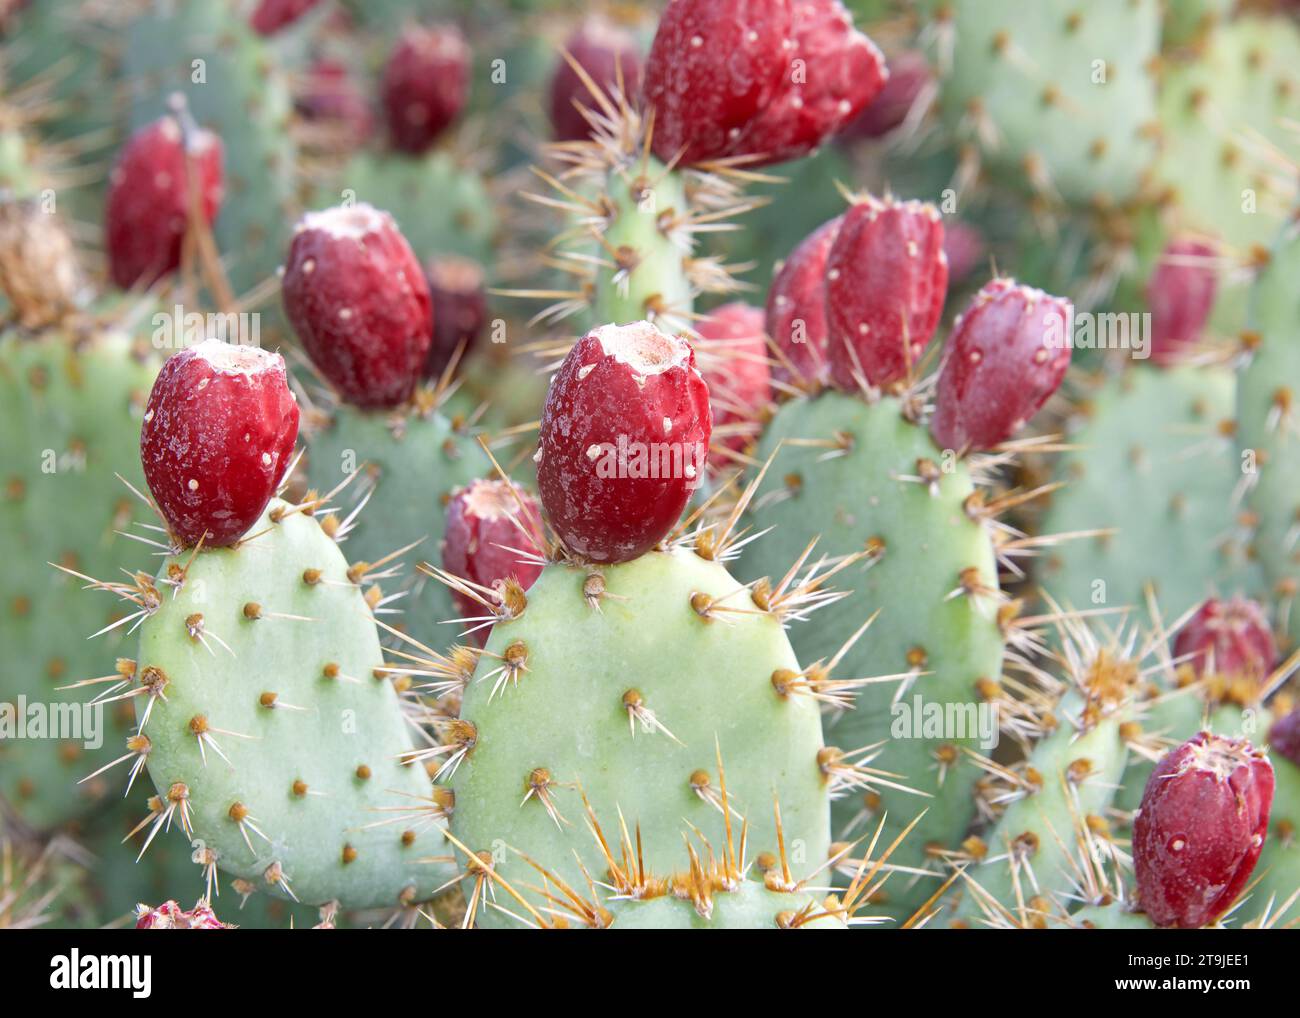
490	500
355	221
234	359
643	348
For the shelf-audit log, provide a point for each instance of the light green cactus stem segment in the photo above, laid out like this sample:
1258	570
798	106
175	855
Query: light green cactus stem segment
244	98
342	738
645	268
847	501
1080	770
1114	916
410	466
1153	465
1278	869
441	208
1269	424
1059	96
708	681
69	422
1221	119
747	906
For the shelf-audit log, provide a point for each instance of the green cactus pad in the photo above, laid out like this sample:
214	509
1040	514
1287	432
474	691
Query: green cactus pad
1278	869
332	725
707	680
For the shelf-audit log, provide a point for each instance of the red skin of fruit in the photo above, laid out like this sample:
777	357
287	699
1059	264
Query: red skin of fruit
170	916
713	65
964	247
835	72
1284	737
460	310
357	298
886	279
217	437
1229	638
1180	295
909	76
734	362
1200	830
481	527
1001	364
630	387
796	308
330	94
426	82
273	15
602	49
147	207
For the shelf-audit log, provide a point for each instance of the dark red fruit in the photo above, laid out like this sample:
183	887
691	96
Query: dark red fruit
489	525
835	71
624	441
603	50
460	310
886	279
272	15
734	362
1230	638
170	916
1007	353
357	298
713	65
1180	295
217	437
426	82
331	98
909	77
1200	830
148	204
1284	737
796	309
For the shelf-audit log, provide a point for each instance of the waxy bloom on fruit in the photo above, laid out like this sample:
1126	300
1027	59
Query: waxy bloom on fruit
624	441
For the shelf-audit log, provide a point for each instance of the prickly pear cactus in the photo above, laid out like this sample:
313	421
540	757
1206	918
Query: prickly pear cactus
631	680
1278	870
864	478
270	736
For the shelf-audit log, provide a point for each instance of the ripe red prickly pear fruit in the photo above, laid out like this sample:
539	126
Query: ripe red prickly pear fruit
1228	638
217	437
1007	353
834	72
886	279
357	298
330	96
624	441
460	310
1200	830
1180	295
604	51
909	77
272	15
1284	736
147	208
734	362
425	84
964	246
796	309
713	65
170	916
488	524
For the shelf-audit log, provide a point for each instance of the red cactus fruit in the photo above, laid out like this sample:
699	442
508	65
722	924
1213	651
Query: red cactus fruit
147	208
886	278
425	85
624	441
272	15
1180	295
460	310
1228	638
964	246
170	916
1200	830
330	96
796	309
713	65
357	298
909	77
217	437
1007	353
488	524
835	71
604	51
1284	737
734	362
